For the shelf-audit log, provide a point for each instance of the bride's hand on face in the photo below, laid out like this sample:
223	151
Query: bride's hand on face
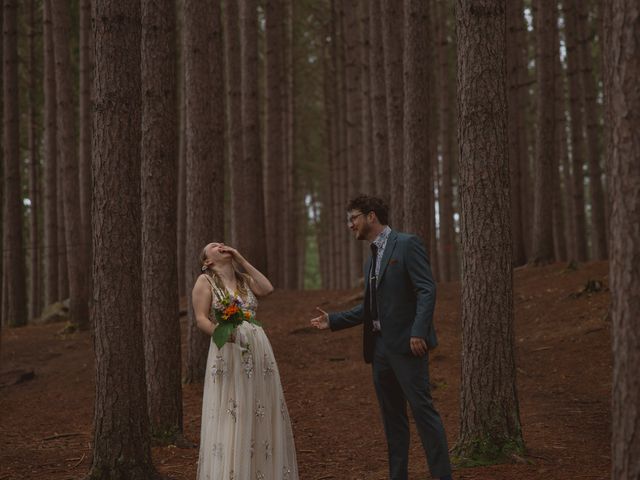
234	253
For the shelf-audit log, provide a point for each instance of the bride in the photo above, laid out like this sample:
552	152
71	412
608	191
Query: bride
246	431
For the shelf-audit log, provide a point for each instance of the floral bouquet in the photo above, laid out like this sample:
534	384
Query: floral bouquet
229	314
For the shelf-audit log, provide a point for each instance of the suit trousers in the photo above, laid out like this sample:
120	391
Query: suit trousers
398	379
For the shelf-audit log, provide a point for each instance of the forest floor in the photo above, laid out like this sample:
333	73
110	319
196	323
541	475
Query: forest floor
562	337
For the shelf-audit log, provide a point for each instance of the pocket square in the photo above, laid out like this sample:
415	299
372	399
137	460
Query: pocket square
393	261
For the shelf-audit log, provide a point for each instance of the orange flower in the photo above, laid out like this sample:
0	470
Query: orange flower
247	315
231	310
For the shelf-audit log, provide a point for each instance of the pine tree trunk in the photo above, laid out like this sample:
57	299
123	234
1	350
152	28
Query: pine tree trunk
233	92
328	215
489	417
74	233
369	172
84	129
353	55
35	300
516	123
274	161
622	96
183	288
417	161
14	288
121	427
559	229
392	38
542	252
204	79
379	104
163	361
63	264
291	217
445	88
594	133
577	128
51	290
252	237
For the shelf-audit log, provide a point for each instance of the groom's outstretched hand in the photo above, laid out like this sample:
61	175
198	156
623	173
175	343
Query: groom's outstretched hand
321	322
419	347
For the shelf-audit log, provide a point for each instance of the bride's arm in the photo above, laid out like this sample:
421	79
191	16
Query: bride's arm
260	284
201	299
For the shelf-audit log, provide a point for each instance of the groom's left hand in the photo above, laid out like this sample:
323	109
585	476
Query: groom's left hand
419	347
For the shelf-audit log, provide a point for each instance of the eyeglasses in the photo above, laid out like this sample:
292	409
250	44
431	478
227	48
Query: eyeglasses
351	218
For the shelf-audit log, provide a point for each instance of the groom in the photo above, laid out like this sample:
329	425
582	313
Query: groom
397	316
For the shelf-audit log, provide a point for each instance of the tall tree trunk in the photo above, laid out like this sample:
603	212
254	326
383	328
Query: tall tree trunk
352	55
160	306
392	28
121	427
379	103
14	287
274	162
445	87
74	233
182	181
559	230
594	133
291	216
205	154
252	237
84	129
622	93
63	265
489	417
34	170
51	290
515	60
545	147
233	96
369	172
577	128
417	164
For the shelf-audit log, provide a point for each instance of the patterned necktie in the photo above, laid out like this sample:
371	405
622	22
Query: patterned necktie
373	303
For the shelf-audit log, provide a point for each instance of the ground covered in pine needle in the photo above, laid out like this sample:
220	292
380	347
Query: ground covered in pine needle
563	349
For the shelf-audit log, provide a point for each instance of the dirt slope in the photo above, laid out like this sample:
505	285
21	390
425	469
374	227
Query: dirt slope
564	383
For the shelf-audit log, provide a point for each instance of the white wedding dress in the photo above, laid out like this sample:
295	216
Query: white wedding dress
246	431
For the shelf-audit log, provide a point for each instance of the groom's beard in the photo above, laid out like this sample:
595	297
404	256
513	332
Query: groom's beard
362	233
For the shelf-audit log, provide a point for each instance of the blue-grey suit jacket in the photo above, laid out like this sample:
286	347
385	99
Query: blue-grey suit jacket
406	298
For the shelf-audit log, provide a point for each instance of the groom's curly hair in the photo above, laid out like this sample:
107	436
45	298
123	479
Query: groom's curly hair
366	204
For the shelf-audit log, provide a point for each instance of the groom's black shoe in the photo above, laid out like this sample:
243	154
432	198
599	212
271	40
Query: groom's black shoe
446	477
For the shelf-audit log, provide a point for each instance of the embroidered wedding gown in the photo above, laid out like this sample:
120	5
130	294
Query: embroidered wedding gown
246	431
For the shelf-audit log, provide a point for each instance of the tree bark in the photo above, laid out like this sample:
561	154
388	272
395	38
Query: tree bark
204	79
252	228
369	172
51	290
161	322
594	133
622	93
274	161
417	164
392	38
515	60
489	417
35	300
84	129
74	233
577	128
445	87
121	427
379	104
352	55
559	230
14	289
542	250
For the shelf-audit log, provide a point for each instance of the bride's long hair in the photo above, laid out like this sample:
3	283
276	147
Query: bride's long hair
241	278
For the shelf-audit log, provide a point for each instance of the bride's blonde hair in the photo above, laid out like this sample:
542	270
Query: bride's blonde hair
241	278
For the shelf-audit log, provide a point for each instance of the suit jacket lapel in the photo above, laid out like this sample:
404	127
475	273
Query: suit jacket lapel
388	250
